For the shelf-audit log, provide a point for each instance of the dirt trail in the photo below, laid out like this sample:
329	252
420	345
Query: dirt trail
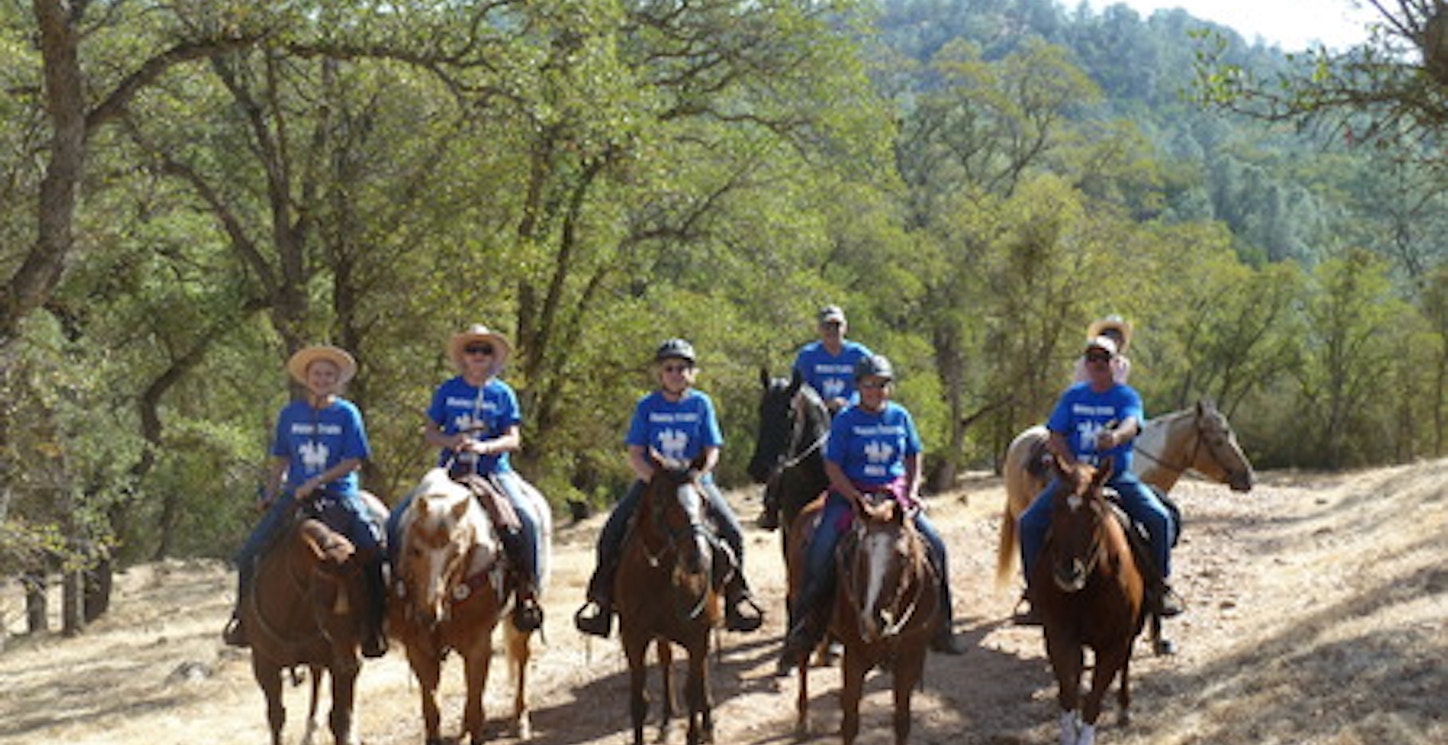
1318	614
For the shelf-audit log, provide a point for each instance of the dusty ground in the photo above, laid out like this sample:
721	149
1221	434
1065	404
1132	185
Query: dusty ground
1318	614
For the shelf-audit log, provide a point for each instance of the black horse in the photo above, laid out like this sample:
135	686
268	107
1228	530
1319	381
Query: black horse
789	449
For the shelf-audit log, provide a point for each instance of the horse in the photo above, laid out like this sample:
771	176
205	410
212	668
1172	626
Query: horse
794	424
306	607
450	589
1198	438
1090	593
885	610
665	591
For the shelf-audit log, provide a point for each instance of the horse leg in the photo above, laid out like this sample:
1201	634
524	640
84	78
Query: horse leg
701	700
1067	661
519	652
801	702
476	660
1123	696
635	648
427	666
344	693
311	730
854	687
909	670
665	652
1107	663
269	678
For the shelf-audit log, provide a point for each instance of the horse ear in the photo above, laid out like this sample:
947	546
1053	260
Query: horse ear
461	508
795	380
1103	472
764	377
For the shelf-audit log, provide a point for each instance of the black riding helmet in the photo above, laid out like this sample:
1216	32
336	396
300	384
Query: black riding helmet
876	365
675	349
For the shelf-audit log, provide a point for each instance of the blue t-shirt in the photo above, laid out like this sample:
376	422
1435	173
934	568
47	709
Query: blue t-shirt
1082	412
314	440
458	405
831	375
870	447
677	429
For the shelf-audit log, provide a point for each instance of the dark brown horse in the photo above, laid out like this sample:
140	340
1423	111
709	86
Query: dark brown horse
1090	593
306	608
665	591
885	610
450	598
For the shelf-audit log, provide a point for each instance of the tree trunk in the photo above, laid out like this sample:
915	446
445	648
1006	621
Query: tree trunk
37	616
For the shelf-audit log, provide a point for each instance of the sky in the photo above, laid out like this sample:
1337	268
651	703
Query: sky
1293	25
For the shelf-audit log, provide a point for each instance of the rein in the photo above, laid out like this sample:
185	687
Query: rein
656	560
800	418
1161	461
910	608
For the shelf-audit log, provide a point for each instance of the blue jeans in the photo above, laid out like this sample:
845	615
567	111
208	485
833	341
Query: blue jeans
1139	502
512	487
361	531
819	570
610	538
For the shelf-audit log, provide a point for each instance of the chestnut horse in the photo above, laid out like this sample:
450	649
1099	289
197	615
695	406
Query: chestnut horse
1090	593
450	589
885	610
665	591
306	607
1199	438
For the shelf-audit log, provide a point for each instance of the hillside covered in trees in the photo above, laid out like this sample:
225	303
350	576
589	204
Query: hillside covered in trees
194	191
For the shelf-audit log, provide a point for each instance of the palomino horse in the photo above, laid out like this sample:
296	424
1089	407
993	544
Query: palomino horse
665	591
1090	593
1199	439
789	449
306	607
450	590
885	610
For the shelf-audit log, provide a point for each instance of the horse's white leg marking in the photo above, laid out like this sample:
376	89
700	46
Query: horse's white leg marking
1088	735
1068	728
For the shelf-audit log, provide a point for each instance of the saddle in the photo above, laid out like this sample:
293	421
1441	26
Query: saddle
491	497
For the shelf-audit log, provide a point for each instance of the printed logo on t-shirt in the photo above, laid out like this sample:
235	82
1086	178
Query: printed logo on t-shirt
314	456
878	453
673	442
834	388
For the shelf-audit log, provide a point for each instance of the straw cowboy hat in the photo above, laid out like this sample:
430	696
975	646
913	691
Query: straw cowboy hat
480	333
1115	322
298	364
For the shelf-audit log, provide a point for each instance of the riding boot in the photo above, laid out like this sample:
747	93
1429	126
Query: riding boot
527	613
769	517
600	600
741	613
374	638
235	632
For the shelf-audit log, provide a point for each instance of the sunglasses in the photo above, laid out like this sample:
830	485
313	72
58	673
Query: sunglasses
1097	357
873	384
675	368
485	349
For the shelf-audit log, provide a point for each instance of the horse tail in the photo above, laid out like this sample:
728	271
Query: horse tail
1019	493
1006	546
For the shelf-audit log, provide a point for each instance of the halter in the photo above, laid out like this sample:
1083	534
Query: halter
799	418
656	560
1098	544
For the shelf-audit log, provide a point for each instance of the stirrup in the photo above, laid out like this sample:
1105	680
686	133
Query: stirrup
736	620
599	624
1169	603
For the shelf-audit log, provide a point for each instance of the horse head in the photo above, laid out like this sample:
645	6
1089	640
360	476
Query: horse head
1224	459
447	539
1077	518
886	578
777	424
674	513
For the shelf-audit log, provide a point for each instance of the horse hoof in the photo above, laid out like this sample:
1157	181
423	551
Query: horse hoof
1164	647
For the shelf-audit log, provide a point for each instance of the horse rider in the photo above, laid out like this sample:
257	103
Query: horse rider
1117	329
678	421
828	366
1093	421
475	420
873	447
319	445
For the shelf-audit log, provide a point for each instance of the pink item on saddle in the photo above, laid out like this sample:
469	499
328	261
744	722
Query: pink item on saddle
895	488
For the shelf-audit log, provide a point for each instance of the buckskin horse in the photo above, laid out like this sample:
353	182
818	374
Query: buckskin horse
1090	593
450	591
665	591
885	610
306	608
1198	438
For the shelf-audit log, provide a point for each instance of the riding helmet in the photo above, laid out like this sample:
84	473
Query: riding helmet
675	349
875	365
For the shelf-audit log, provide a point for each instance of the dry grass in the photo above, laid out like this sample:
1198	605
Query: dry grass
1318	614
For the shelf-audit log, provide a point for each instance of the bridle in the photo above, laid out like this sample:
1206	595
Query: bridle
915	586
675	537
1097	548
799	418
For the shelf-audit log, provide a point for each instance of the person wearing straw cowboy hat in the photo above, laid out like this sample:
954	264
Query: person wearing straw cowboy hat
1118	330
475	420
319	445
